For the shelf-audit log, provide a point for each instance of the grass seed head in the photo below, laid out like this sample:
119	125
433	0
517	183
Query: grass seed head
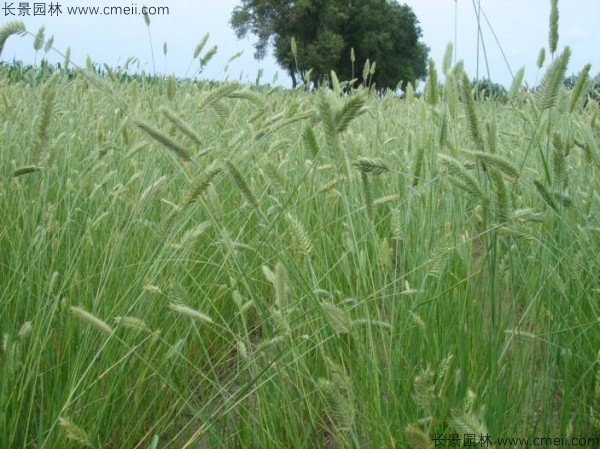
91	319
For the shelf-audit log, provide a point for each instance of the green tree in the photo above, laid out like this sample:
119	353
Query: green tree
326	31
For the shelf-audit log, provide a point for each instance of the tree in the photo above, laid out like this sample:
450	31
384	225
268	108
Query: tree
489	90
326	31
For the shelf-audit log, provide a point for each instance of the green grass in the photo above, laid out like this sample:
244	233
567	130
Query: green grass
310	271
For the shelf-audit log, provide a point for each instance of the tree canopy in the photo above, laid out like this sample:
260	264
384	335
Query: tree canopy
327	31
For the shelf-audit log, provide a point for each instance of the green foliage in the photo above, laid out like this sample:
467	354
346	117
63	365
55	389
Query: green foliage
325	33
541	58
502	205
371	166
200	45
310	142
462	178
553	34
516	87
553	80
594	91
176	148
447	61
8	29
545	194
582	85
352	108
38	41
487	89
579	86
41	136
502	164
559	178
472	122
326	271
431	87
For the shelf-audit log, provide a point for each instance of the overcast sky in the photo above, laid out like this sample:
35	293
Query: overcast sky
521	27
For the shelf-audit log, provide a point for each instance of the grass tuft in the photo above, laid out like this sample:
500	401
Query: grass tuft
9	29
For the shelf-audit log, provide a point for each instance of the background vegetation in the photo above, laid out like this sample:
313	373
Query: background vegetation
337	35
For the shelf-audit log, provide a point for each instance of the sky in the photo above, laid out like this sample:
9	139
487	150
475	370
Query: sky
517	28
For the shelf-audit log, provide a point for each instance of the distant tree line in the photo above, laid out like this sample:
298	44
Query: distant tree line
311	38
487	89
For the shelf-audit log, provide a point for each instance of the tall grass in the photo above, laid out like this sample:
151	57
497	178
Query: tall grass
295	270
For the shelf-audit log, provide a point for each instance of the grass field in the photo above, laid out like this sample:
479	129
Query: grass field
195	266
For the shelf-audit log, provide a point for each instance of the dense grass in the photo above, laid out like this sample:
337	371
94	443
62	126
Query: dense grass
295	270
